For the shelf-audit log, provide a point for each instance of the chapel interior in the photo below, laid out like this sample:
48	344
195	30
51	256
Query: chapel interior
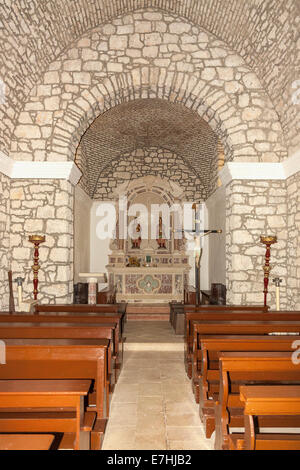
149	225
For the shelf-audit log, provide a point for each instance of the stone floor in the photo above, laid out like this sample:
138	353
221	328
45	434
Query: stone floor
153	405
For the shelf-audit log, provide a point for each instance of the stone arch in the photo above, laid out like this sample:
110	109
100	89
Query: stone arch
202	73
176	88
256	30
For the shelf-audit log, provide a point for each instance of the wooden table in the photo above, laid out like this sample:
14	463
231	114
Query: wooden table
26	441
43	394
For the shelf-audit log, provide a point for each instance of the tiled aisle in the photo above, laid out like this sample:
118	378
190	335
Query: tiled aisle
153	405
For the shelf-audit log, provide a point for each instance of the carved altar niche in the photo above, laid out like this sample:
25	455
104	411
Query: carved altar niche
147	266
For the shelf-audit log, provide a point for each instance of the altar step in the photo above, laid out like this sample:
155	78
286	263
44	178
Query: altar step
150	312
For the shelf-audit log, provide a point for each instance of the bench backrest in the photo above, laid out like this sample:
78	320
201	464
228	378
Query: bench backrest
59	330
82	308
65	318
59	362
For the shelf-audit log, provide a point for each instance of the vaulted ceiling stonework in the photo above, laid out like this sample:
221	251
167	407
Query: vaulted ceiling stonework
264	32
150	123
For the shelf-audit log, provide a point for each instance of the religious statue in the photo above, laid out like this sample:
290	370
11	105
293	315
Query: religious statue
136	242
161	240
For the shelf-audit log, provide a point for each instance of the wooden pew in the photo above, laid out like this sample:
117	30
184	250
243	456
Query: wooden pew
177	317
68	331
64	359
234	328
84	308
74	318
243	368
237	315
274	400
211	346
211	312
26	441
178	311
22	400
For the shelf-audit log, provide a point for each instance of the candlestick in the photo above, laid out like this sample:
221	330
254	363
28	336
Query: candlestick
36	240
268	241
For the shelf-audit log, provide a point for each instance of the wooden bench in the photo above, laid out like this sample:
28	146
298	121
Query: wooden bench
74	318
84	308
265	400
26	441
216	312
211	346
21	402
178	311
191	318
255	368
232	328
64	359
177	317
68	331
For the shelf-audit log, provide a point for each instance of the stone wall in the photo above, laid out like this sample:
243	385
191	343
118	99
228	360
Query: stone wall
148	55
255	208
152	161
264	33
4	240
43	207
293	245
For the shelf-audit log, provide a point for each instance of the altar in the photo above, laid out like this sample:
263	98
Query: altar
152	267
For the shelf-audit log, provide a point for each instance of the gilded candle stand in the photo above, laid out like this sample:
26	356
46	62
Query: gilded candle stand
268	241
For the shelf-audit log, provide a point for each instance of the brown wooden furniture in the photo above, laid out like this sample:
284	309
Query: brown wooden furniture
205	297
107	296
23	330
81	293
64	359
190	295
230	314
211	346
102	319
81	308
21	402
234	328
177	317
239	368
274	400
218	294
26	441
84	309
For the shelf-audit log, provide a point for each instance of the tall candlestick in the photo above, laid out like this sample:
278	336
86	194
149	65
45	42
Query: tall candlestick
268	241
36	240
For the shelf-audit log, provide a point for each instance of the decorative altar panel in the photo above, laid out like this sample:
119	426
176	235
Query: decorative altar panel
149	284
